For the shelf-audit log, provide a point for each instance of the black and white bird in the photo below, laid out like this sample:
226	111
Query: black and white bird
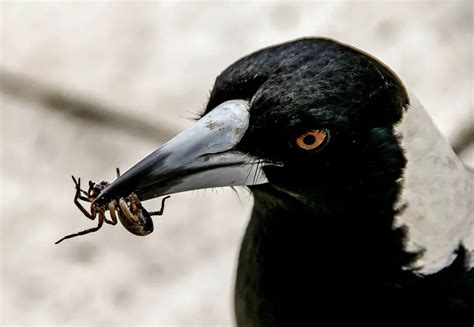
363	214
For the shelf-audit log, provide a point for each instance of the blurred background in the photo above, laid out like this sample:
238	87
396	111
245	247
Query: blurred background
90	86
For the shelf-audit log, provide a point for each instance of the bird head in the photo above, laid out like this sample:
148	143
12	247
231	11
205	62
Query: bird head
290	115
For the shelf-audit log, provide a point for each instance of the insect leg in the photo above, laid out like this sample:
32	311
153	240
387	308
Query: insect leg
126	211
134	202
83	198
160	212
78	196
121	216
112	207
78	185
87	231
91	187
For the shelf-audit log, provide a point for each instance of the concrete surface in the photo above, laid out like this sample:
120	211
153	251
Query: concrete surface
157	61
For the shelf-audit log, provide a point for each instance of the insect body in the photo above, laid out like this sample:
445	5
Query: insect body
129	210
137	220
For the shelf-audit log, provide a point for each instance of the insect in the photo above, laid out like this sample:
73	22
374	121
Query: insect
129	210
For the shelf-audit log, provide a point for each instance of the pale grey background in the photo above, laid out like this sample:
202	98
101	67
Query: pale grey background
150	65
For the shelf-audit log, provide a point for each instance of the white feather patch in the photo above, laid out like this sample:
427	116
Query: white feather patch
437	190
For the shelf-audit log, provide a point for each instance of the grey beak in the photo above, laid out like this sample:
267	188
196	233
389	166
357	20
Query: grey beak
202	156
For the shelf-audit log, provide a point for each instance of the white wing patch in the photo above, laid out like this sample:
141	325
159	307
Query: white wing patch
437	190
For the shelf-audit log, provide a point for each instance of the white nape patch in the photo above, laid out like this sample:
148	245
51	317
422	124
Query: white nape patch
437	190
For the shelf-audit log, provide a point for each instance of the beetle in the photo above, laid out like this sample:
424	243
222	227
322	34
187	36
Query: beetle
129	210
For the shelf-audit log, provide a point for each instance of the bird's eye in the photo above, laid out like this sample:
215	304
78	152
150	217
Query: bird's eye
312	139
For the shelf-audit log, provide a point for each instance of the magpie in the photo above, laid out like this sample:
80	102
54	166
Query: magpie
362	214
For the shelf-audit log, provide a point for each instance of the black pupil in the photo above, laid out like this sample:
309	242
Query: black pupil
309	139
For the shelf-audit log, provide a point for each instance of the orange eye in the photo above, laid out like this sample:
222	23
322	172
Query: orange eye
311	139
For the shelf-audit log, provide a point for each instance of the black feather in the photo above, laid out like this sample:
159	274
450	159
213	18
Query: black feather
321	245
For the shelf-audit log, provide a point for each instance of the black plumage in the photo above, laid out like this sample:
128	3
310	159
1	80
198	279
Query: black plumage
322	244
